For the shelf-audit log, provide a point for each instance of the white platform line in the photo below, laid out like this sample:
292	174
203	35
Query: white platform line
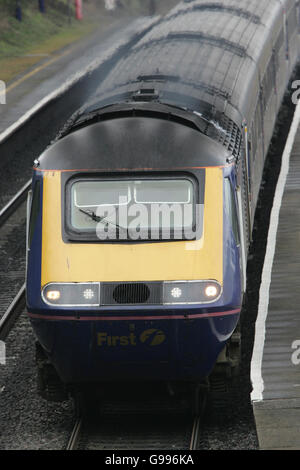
264	293
139	26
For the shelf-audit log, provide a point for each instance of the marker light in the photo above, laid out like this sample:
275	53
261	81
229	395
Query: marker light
176	292
53	295
88	294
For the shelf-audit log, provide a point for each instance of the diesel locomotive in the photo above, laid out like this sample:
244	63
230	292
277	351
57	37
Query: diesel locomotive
141	211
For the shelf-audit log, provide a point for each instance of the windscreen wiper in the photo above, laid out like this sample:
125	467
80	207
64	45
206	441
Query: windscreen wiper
103	220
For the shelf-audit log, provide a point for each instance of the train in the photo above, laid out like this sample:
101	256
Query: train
141	211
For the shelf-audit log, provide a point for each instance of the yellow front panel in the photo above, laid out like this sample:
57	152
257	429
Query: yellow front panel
63	262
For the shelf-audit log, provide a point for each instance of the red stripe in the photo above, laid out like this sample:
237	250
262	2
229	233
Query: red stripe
148	317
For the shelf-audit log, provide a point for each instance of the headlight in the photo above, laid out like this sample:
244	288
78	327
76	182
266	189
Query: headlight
191	292
72	294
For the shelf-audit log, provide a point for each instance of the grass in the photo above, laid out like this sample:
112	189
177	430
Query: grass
17	37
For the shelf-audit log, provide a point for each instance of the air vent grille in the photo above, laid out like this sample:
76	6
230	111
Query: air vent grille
131	293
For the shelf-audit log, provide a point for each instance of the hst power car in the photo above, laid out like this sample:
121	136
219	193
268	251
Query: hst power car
141	211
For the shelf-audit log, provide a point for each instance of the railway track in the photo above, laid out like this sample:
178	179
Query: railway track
159	423
14	203
17	305
75	435
85	437
9	318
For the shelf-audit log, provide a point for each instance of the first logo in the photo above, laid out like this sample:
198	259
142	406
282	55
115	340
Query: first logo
153	337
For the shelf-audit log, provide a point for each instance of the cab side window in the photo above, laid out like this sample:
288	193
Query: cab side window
231	209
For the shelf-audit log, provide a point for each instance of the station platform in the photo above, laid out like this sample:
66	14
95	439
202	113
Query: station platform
275	367
53	75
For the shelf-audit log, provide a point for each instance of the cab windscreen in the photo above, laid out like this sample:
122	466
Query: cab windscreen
135	209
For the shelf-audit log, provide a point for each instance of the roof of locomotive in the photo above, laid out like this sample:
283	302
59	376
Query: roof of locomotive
123	143
202	52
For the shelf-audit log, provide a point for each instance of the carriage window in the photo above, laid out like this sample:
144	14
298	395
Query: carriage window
133	208
230	205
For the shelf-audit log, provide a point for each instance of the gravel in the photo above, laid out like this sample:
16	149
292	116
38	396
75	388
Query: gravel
12	257
28	421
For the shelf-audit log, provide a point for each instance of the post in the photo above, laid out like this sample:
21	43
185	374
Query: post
42	6
18	10
78	4
152	7
69	11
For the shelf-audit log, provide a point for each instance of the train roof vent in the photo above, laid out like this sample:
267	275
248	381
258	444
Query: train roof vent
145	94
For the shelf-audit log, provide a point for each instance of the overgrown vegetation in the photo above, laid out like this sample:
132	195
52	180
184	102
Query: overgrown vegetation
18	36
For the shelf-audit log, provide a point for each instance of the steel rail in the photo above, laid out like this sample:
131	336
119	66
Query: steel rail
77	428
12	313
195	434
14	203
75	435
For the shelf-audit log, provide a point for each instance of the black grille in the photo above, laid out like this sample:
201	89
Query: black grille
131	293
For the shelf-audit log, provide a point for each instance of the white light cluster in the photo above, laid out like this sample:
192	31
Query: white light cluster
176	292
88	294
